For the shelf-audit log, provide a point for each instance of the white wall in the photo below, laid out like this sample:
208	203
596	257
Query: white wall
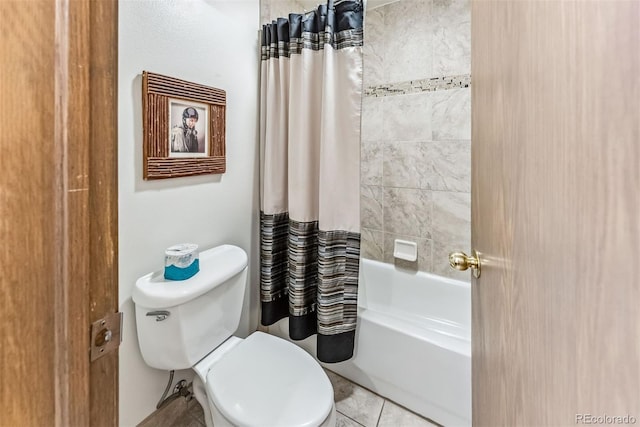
214	43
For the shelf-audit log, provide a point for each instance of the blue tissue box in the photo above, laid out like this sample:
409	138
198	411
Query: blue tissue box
172	272
181	261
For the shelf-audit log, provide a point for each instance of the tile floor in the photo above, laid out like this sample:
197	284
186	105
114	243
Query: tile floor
355	405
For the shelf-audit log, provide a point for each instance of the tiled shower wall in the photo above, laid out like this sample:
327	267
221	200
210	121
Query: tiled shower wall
274	9
416	131
416	128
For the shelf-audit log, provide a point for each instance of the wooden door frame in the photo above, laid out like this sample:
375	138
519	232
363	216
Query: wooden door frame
103	206
86	136
58	210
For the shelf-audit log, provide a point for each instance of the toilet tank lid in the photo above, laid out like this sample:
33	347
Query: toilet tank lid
217	265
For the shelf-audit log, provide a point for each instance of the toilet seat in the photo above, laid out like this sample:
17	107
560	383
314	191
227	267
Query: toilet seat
268	381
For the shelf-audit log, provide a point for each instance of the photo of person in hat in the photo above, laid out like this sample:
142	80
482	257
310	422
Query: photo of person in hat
187	135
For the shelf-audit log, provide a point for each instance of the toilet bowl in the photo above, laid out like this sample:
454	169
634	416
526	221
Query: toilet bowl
264	381
261	380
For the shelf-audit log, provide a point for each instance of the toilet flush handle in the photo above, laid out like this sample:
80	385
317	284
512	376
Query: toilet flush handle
160	314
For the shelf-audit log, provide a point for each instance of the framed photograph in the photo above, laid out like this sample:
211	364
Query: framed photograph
188	129
184	127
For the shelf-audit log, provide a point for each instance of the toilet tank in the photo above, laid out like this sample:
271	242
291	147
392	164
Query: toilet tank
180	322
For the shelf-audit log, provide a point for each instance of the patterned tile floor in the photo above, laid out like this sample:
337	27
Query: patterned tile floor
355	405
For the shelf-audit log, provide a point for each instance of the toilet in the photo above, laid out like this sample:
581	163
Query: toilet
261	380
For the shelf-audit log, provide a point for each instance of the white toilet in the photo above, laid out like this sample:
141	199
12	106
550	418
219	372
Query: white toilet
261	380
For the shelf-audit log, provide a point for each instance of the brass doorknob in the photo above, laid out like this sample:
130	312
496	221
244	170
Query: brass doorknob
460	261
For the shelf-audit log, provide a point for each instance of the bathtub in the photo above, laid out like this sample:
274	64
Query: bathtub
413	341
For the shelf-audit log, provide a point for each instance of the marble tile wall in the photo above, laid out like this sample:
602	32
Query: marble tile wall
416	132
274	9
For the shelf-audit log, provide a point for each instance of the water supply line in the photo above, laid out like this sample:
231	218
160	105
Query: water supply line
181	389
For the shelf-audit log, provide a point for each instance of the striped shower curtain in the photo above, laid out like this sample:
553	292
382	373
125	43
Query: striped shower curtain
311	86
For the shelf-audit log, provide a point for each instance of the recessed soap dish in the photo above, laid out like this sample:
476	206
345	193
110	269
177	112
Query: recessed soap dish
406	250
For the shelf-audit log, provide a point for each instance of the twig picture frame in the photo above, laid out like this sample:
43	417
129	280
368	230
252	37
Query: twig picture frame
184	127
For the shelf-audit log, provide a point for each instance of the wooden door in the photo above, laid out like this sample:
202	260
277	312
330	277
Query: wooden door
556	211
58	210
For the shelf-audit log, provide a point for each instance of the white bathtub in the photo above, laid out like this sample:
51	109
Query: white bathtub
413	341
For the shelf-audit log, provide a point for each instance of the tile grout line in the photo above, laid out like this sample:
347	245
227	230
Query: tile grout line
193	417
384	402
347	416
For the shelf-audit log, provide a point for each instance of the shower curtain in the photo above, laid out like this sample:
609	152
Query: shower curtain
311	86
